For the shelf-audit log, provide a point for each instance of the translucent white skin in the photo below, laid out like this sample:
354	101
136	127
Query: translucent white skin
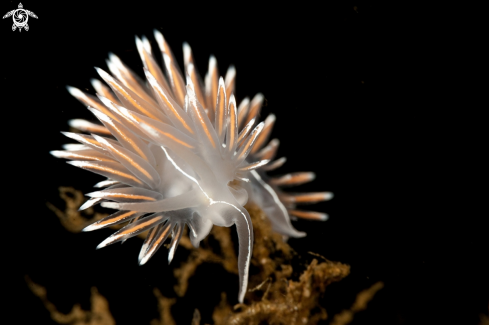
178	157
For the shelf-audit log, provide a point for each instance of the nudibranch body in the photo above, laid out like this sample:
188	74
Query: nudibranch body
179	153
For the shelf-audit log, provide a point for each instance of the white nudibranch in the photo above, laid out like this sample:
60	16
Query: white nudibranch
177	151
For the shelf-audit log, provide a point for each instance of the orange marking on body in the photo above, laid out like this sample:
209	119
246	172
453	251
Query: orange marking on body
205	128
122	216
177	140
232	126
175	112
307	214
134	164
141	225
110	170
309	197
72	155
131	196
163	234
131	142
133	101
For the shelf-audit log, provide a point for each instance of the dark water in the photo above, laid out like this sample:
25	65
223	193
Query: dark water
352	104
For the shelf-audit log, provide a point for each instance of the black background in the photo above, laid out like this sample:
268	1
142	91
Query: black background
354	95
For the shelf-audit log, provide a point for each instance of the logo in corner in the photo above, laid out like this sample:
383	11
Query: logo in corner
20	17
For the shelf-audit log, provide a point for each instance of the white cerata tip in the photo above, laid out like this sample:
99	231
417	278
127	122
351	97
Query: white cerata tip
75	92
328	196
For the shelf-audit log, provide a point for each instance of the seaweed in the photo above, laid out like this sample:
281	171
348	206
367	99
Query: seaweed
281	290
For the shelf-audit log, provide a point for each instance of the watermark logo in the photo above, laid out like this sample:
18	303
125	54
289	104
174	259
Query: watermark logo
20	17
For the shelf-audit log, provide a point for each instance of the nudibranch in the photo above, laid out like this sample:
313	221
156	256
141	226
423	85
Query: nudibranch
177	151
